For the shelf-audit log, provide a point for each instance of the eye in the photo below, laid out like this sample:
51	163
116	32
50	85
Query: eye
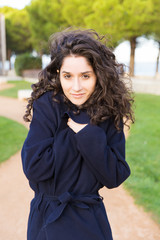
67	76
85	76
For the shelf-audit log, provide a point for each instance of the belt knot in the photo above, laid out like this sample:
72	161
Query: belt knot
61	201
65	197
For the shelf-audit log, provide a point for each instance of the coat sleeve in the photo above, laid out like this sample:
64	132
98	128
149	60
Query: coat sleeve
38	149
104	153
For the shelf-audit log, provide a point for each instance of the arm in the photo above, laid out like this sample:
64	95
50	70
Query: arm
38	148
104	153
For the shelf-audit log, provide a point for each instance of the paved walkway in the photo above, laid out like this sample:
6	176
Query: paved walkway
128	221
149	85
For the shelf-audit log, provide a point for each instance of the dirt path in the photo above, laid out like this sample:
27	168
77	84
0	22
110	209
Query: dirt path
128	221
6	85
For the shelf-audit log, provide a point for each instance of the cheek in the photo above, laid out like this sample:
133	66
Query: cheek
64	84
92	86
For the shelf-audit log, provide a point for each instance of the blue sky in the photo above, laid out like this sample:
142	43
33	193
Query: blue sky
146	51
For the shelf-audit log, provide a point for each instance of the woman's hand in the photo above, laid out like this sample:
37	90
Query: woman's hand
76	127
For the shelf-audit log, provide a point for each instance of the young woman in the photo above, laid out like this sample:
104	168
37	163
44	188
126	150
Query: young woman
76	143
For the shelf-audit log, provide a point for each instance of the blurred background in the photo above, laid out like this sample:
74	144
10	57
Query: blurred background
132	28
133	31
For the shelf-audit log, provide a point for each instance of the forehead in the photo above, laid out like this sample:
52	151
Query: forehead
73	63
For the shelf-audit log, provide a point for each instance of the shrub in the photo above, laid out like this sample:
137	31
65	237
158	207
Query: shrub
26	61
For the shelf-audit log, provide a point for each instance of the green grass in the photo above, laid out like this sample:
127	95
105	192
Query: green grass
143	154
13	92
12	136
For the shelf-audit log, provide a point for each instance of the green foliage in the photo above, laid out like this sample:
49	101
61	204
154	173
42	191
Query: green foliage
18	35
75	11
11	138
45	19
105	18
5	10
118	19
18	85
26	61
143	154
122	19
155	26
137	18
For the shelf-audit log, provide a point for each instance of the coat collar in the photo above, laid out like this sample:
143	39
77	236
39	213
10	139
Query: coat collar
82	118
66	111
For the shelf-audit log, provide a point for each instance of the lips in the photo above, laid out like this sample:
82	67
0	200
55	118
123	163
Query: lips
78	95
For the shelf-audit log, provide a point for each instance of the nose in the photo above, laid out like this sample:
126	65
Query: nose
76	85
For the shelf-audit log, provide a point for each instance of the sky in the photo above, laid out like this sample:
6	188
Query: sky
146	51
20	4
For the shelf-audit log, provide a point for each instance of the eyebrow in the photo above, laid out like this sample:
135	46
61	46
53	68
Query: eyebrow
81	72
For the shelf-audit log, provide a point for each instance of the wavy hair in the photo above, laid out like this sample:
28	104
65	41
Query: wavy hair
111	97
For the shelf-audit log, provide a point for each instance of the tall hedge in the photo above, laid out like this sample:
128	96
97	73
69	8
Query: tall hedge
26	61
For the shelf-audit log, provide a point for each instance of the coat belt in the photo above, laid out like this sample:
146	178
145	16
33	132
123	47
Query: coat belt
61	201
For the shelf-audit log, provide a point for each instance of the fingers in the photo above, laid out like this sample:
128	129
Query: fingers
76	127
70	122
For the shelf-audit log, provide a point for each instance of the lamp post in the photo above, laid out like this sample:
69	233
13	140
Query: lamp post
2	44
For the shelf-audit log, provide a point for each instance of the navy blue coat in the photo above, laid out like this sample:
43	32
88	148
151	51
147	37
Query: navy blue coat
66	169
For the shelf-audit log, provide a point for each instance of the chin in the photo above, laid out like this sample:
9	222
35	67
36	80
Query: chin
77	103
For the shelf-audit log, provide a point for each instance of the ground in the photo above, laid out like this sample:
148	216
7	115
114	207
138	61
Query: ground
128	221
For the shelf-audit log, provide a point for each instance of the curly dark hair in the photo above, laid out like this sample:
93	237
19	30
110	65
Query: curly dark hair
111	97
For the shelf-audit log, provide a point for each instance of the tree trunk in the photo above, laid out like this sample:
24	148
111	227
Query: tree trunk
9	58
132	55
157	63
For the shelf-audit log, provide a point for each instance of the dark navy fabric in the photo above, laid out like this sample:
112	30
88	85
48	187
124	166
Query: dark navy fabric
66	170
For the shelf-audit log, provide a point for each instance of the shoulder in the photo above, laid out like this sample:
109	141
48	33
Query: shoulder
109	126
46	97
46	106
105	125
46	100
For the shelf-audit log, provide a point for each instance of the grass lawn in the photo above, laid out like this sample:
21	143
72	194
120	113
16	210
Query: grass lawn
143	154
12	136
12	92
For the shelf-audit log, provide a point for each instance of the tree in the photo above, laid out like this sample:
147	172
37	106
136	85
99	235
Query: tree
138	20
158	55
105	18
156	29
156	38
90	14
17	31
75	11
123	20
45	19
98	15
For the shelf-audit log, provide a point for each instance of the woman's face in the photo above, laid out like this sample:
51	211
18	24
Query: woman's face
77	79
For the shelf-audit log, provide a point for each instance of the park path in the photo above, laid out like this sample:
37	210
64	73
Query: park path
128	221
